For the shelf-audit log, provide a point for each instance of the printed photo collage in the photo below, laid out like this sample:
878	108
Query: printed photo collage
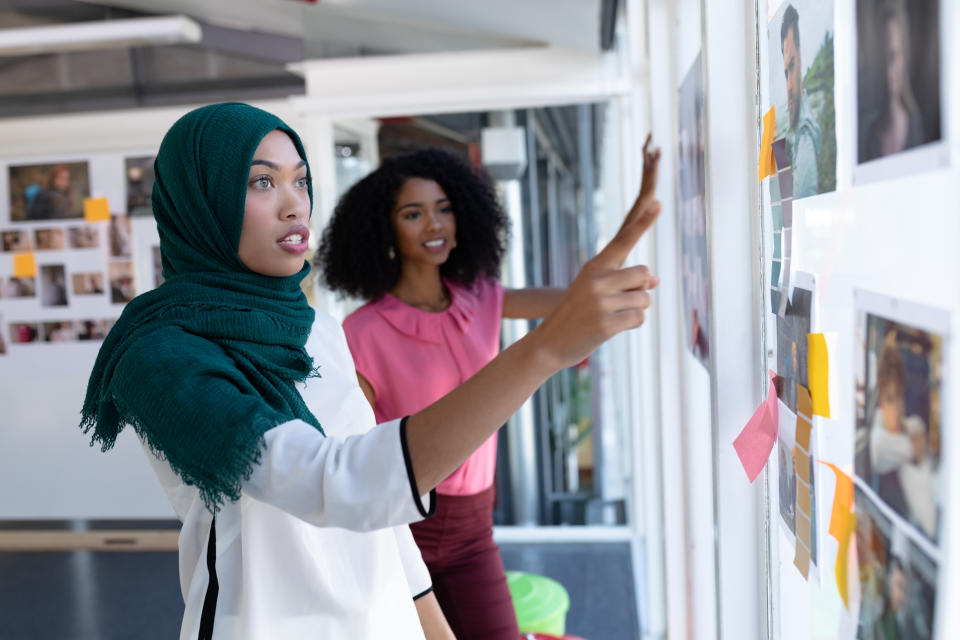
897	449
899	430
50	226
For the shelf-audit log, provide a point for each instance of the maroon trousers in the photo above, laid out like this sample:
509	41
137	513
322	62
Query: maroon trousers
464	563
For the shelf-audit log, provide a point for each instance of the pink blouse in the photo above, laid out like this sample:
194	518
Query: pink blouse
412	358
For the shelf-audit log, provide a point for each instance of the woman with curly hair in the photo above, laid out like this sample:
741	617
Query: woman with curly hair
421	239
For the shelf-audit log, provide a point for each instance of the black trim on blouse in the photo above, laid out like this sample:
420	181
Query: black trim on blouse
413	482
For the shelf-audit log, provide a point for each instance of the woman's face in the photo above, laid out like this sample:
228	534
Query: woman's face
274	237
423	222
61	180
896	56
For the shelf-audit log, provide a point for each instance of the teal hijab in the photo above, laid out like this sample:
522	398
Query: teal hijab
205	364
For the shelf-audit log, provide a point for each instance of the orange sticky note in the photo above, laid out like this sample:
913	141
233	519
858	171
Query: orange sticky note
96	209
842	524
817	373
24	265
768	165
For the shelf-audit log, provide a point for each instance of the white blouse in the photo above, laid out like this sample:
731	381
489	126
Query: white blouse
317	545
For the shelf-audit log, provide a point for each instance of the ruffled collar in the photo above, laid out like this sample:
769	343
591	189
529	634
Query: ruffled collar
427	325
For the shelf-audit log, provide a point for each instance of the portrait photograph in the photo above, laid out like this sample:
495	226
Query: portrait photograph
48	191
50	239
898	580
121	282
84	237
16	241
89	283
19	287
62	331
90	330
53	286
121	238
898	76
23	332
139	185
900	425
800	57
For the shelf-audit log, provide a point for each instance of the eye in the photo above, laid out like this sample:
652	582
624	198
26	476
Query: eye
411	215
446	209
261	182
302	183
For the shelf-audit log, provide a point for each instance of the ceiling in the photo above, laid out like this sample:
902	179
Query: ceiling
247	44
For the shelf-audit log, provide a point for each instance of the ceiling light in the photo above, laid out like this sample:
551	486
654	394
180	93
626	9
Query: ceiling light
101	34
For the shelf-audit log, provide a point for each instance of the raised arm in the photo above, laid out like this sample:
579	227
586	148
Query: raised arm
539	302
602	301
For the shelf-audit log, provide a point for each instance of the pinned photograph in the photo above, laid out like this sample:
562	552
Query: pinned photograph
16	241
800	54
899	430
89	283
3	340
139	185
59	332
898	76
693	215
48	191
23	332
91	330
897	579
121	237
792	329
53	286
20	287
85	237
51	239
121	282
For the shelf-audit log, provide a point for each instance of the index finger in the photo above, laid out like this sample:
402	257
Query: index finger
617	250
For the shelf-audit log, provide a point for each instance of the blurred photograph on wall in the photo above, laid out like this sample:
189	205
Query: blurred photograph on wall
121	282
24	332
51	239
3	340
16	241
800	56
53	285
691	184
91	330
899	419
85	237
48	191
139	185
19	287
121	237
61	331
898	580
88	283
898	76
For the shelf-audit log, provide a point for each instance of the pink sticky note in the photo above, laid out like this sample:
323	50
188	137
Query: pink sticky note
756	441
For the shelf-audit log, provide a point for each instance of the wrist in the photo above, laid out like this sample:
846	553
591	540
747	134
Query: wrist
535	352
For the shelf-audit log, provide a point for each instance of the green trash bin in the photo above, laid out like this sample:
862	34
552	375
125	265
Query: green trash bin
541	604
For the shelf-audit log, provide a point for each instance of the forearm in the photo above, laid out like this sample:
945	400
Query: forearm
531	303
434	624
443	435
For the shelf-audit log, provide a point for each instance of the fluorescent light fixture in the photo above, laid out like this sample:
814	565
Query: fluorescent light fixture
102	34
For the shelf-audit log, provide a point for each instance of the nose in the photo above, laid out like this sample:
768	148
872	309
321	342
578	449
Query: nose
294	204
433	221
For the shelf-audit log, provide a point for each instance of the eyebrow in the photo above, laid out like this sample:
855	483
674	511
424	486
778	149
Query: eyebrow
273	165
420	204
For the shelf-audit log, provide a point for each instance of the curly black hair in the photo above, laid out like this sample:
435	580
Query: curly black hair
354	250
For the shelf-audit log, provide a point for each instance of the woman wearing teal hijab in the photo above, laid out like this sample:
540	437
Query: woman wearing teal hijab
294	508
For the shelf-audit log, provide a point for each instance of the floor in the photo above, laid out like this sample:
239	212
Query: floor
83	595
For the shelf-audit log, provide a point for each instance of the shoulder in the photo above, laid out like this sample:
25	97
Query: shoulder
363	319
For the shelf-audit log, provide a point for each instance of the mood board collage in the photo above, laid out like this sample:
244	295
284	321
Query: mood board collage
69	264
887	507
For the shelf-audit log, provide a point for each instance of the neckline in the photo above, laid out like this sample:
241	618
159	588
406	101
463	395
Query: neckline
450	304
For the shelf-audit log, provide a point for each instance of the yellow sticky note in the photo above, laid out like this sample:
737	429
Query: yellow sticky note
96	209
817	373
768	165
842	525
24	265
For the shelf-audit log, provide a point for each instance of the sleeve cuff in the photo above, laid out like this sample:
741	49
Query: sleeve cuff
423	593
418	500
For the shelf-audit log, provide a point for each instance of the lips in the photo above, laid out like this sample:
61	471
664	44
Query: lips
436	244
295	240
